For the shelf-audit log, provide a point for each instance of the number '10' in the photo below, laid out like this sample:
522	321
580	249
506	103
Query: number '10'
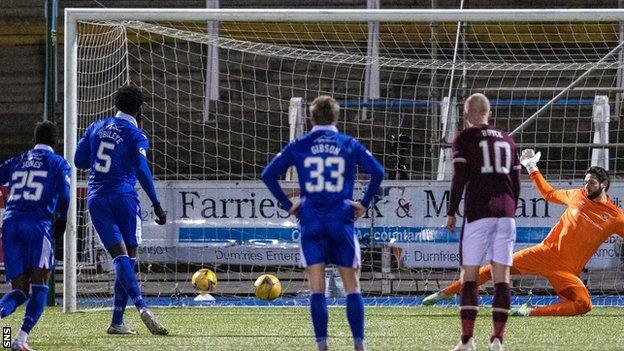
499	146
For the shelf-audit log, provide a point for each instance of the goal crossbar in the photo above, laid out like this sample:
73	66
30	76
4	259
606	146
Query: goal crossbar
344	15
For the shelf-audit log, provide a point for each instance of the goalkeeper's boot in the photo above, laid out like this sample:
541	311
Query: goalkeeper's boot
496	345
120	329
469	346
523	311
435	298
152	324
21	347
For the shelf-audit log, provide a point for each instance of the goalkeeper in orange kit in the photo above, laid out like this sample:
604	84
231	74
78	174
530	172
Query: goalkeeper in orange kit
589	219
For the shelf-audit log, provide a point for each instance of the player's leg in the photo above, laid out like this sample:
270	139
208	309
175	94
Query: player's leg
318	304
16	297
128	219
120	301
574	297
345	253
105	221
473	246
16	269
35	306
313	258
104	211
485	274
468	305
501	256
40	256
500	304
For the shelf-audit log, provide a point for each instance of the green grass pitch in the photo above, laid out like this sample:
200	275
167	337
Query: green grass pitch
267	328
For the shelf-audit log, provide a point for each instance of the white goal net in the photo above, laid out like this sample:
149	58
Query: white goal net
217	108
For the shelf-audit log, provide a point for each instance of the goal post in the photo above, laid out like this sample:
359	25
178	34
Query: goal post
542	69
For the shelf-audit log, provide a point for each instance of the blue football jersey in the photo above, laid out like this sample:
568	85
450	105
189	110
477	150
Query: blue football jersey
326	163
37	180
112	149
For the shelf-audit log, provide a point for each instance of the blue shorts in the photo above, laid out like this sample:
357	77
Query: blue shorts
328	234
26	244
329	242
116	218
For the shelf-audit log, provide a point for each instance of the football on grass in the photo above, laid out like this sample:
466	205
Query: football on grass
204	280
267	287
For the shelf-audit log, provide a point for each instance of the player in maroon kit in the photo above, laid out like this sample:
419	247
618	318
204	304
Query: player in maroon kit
487	167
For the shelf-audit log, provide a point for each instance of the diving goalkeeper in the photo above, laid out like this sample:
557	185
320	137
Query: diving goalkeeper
589	219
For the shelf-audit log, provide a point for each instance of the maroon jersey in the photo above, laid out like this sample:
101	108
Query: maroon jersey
486	163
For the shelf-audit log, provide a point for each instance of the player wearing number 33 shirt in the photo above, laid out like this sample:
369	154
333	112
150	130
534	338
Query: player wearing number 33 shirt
326	162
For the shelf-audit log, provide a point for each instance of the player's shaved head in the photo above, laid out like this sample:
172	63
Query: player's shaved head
46	133
128	99
477	109
324	110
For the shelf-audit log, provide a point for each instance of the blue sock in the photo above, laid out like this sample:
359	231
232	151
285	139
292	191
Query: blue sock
124	270
10	301
355	315
320	315
120	299
35	306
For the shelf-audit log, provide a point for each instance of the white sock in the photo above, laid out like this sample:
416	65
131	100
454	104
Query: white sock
321	345
21	338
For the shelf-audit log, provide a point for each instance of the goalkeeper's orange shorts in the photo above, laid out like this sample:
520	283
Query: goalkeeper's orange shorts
542	261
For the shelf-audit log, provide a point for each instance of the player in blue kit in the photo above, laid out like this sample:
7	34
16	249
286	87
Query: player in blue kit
114	150
36	210
326	163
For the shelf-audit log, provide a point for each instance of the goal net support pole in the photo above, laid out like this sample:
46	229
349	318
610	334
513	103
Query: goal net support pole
601	112
70	141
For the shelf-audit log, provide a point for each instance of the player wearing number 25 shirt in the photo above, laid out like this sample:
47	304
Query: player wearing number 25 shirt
36	209
326	163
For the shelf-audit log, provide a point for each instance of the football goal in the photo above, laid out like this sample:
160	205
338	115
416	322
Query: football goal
225	90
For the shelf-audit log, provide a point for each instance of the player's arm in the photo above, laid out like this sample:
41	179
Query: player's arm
82	156
272	174
458	182
62	185
145	177
529	160
369	164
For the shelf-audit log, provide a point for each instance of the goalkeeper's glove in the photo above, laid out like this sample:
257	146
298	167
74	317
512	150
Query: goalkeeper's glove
161	216
529	160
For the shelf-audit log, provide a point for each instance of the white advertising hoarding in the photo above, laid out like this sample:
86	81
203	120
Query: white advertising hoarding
225	222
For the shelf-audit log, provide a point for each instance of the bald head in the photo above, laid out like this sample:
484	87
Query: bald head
477	109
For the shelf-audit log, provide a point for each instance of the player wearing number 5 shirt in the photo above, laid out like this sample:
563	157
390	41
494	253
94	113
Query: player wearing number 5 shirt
326	162
487	168
114	150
